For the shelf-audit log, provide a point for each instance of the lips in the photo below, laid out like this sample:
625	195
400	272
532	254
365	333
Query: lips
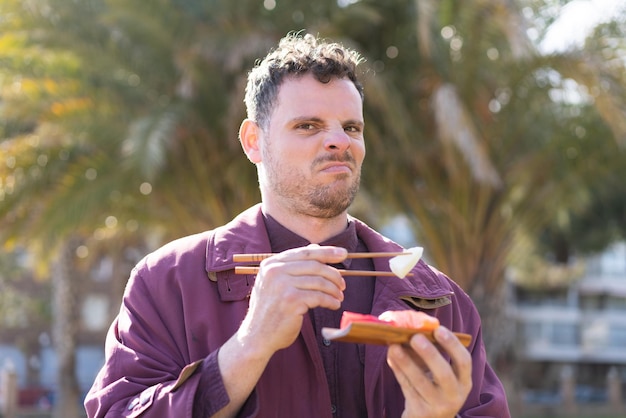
343	163
337	168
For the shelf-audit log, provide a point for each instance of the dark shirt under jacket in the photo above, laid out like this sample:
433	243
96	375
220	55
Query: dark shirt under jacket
343	362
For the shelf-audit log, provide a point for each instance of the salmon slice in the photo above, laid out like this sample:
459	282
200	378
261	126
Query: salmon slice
411	319
406	319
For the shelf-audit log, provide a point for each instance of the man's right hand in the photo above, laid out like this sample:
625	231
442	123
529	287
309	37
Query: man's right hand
286	287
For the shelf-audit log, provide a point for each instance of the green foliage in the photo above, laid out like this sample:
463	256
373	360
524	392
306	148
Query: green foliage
115	108
18	308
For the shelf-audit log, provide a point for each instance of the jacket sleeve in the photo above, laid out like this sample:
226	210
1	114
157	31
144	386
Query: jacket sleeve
147	371
487	397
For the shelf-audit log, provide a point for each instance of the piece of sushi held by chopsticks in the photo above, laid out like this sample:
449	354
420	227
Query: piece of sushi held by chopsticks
401	265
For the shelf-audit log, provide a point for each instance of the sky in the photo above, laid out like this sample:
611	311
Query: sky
577	20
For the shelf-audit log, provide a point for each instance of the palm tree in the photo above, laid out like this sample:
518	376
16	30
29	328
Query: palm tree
467	129
95	140
127	115
123	111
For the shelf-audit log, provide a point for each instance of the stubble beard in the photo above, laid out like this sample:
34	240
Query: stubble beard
317	200
328	201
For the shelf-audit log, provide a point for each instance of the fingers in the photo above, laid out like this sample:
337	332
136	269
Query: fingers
308	268
433	386
412	370
461	358
325	254
286	287
323	289
305	274
301	279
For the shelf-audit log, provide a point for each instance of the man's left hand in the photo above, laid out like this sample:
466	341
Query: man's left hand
433	387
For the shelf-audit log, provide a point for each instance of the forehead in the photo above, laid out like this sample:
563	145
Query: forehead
305	94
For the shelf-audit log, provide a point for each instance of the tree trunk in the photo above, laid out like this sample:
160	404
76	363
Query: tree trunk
64	330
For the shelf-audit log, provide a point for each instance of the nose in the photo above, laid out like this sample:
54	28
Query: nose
337	140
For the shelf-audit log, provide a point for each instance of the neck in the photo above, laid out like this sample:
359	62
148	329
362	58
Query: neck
314	229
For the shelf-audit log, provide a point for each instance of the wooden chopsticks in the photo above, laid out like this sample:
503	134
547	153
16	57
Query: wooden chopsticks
255	270
254	258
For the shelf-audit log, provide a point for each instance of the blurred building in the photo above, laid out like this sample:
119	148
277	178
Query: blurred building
572	336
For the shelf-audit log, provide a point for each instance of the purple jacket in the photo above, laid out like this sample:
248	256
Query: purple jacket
184	301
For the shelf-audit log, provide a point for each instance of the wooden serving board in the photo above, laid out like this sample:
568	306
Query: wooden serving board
381	334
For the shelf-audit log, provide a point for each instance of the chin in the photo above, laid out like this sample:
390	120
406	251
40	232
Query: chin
332	208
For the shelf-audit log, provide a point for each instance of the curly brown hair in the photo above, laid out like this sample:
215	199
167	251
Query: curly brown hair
297	55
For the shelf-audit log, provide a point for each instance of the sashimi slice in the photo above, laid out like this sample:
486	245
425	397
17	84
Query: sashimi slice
411	319
349	317
405	318
401	265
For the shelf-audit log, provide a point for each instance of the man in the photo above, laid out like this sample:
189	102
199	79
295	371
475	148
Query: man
194	339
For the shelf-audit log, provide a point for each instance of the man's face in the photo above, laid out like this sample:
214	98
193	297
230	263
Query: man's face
313	148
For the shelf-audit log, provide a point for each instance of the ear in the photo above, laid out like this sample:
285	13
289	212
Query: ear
249	136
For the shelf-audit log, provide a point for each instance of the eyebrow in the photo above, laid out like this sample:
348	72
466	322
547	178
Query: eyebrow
356	122
301	119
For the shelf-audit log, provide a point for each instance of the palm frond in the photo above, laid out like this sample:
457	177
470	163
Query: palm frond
149	140
455	127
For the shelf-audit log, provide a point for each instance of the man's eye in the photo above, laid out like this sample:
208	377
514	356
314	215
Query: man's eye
306	126
353	129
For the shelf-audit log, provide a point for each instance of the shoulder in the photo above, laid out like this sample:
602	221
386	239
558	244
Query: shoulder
174	252
171	268
235	233
428	286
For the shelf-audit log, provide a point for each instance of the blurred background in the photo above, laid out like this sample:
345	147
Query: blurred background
496	138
